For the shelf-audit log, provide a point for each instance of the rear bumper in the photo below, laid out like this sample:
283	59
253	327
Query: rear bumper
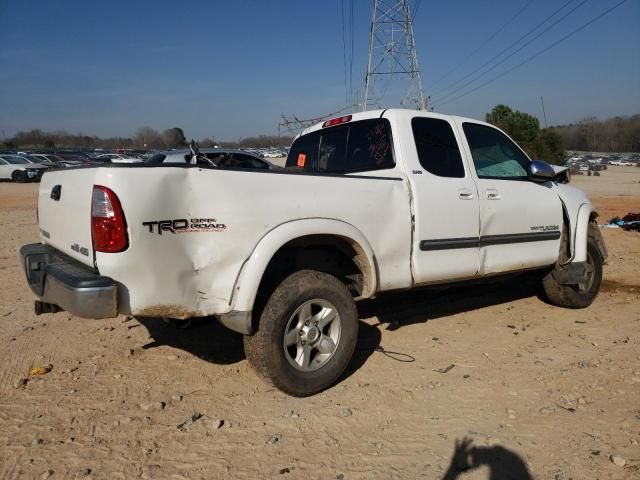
60	280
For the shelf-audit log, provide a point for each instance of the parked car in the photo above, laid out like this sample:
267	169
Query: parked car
35	159
20	170
222	158
116	158
72	158
54	161
370	202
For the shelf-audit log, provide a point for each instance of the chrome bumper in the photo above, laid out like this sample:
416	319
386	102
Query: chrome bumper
59	280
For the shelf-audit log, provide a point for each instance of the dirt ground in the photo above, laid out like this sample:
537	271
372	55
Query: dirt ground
541	392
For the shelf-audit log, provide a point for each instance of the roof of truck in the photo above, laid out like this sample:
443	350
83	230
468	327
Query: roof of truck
388	112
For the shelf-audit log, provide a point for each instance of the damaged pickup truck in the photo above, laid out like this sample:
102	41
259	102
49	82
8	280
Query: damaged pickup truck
370	202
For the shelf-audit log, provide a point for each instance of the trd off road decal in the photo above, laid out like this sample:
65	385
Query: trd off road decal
184	225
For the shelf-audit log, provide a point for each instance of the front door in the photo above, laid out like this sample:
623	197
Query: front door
520	220
445	202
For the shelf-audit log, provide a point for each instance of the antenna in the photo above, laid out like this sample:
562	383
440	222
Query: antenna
543	112
392	57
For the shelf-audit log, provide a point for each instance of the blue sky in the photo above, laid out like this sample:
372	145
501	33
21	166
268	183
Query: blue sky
229	69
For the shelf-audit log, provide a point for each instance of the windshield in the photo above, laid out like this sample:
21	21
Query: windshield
15	160
34	159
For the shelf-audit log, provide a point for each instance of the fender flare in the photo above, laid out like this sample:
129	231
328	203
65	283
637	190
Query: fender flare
253	268
579	233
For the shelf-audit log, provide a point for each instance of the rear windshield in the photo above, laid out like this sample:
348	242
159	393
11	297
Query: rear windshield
354	147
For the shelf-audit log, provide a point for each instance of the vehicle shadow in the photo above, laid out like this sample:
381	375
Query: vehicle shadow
205	338
398	309
210	341
503	464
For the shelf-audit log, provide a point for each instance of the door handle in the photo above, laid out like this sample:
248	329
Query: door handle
493	194
465	194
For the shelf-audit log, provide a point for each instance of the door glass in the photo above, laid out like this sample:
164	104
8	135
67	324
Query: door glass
369	146
333	146
494	155
304	152
438	150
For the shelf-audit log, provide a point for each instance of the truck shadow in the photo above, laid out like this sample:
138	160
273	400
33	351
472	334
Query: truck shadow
205	338
398	309
211	342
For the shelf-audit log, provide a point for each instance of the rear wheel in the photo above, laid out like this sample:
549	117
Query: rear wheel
582	294
307	334
19	176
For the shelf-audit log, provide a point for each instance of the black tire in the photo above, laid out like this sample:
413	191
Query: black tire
572	296
267	352
19	176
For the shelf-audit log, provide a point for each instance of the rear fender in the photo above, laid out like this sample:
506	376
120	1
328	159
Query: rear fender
254	267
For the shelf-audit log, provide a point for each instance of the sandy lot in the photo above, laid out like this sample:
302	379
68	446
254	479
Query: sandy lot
541	392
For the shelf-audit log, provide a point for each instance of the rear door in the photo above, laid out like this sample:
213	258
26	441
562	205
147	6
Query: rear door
445	202
520	220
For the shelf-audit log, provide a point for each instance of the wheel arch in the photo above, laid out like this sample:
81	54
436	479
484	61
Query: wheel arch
306	233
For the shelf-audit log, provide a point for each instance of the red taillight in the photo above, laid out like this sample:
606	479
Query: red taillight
108	225
336	121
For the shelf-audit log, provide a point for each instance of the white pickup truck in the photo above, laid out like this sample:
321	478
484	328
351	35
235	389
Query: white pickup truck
369	202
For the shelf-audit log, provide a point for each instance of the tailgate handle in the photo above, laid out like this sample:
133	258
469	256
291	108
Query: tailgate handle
56	192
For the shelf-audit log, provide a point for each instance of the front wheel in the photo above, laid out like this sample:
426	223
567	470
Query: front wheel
307	334
19	176
584	293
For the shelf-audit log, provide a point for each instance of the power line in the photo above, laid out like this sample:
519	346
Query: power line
351	58
505	49
532	57
416	7
344	55
514	52
483	44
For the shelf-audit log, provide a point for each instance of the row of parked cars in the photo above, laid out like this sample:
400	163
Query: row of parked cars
19	166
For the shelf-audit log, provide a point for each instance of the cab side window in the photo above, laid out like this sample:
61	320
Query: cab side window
438	150
369	146
494	155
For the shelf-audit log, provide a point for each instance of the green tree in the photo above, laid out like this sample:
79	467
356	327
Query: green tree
549	146
524	128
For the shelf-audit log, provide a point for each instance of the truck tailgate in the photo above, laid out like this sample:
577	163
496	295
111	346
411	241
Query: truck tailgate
64	211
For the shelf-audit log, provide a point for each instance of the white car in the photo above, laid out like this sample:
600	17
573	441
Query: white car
117	158
370	202
18	169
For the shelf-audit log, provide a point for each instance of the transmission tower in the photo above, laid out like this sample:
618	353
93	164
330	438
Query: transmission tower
392	57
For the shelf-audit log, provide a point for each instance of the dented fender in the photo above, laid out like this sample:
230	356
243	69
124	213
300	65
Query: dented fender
254	267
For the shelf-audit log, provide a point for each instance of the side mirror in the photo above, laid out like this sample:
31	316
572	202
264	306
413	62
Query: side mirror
540	171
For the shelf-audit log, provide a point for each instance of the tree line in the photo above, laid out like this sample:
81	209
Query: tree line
617	134
144	138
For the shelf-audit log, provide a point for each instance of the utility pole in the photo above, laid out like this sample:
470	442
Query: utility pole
392	57
543	112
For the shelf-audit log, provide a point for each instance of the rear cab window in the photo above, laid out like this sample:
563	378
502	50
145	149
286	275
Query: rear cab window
360	146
